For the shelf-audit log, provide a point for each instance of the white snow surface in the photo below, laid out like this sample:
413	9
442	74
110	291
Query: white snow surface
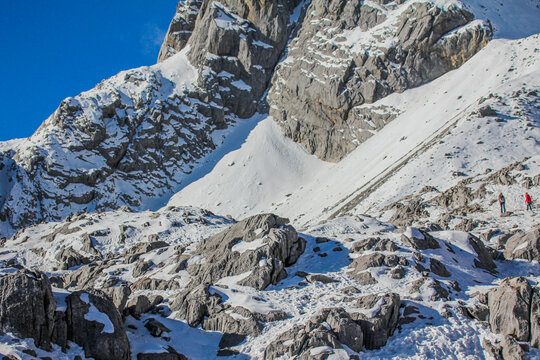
271	172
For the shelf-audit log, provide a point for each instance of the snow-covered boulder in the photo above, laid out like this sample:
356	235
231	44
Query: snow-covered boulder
30	309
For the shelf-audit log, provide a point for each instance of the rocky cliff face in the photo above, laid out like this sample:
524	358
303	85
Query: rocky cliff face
133	139
180	29
349	53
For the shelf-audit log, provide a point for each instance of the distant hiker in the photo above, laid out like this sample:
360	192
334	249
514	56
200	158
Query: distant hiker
502	203
528	201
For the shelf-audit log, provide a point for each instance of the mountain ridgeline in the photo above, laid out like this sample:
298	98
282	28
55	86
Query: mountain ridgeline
133	139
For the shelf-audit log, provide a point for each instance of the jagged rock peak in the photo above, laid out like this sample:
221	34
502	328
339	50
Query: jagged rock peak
180	29
265	15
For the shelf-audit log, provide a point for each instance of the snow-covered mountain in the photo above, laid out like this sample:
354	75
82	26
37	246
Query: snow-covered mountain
293	179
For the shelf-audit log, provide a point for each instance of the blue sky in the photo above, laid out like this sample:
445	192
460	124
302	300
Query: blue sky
58	48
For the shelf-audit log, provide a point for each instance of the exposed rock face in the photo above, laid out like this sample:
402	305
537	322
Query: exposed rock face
485	260
535	318
380	323
374	244
91	320
237	44
340	329
365	262
193	305
316	100
509	308
119	295
431	286
155	327
180	29
438	268
230	323
258	249
83	277
407	211
117	129
27	306
511	350
95	324
261	245
139	305
69	258
419	240
524	246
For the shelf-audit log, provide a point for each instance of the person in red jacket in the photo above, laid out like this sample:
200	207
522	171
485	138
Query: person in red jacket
528	201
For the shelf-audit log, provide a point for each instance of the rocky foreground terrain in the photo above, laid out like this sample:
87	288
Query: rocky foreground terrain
293	179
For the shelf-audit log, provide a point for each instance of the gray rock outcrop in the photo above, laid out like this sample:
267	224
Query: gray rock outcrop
317	101
68	258
420	240
262	245
90	319
138	305
119	295
27	306
332	327
524	246
180	29
193	305
509	308
380	323
374	244
438	268
535	318
95	324
484	259
259	248
365	262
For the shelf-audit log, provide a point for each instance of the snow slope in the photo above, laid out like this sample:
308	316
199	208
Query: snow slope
427	114
266	169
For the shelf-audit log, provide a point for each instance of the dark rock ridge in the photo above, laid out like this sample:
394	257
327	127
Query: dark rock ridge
262	245
318	89
90	319
27	306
